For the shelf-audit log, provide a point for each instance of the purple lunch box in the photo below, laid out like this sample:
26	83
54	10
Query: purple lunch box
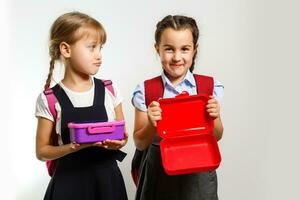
96	132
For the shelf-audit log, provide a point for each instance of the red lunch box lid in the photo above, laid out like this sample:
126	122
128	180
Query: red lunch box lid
184	115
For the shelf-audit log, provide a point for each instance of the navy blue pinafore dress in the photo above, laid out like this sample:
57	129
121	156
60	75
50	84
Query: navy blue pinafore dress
91	173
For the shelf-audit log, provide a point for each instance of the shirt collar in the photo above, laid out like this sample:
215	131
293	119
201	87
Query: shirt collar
188	79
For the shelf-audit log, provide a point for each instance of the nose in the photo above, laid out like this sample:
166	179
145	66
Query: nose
98	54
176	56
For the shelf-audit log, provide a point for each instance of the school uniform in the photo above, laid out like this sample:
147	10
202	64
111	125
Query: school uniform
91	173
154	183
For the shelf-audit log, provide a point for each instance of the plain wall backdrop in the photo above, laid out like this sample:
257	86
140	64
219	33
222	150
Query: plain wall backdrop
252	47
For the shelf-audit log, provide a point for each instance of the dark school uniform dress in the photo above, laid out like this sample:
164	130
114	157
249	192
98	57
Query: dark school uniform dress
155	184
91	173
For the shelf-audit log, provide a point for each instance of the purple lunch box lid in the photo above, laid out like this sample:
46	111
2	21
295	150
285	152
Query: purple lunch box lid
98	124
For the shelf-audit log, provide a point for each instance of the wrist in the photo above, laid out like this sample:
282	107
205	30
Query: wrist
72	147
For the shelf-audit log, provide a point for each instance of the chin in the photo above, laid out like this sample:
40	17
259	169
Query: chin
178	73
94	72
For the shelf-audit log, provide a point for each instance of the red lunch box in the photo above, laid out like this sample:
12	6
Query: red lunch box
188	144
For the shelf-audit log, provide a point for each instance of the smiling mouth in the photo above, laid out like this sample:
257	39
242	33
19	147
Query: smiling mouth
176	65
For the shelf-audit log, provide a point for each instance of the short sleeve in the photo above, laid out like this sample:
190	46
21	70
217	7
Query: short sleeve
138	99
218	90
42	109
117	98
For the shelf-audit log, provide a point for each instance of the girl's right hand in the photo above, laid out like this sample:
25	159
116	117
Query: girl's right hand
76	147
154	113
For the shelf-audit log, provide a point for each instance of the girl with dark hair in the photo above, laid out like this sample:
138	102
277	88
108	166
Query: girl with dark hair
176	42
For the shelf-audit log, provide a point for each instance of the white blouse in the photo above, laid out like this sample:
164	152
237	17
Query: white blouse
78	99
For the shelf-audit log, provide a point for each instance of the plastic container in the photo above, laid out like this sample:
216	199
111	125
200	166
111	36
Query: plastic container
96	132
188	144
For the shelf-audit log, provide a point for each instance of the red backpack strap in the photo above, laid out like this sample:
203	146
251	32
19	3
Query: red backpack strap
205	84
108	85
154	89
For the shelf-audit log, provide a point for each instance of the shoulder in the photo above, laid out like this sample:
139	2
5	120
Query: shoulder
216	82
140	88
42	108
156	78
41	99
108	84
138	98
202	75
112	91
219	84
218	87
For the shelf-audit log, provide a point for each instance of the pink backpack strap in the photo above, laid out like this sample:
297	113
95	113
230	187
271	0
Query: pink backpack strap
51	102
108	85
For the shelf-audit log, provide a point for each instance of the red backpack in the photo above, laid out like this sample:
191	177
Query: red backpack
51	100
154	90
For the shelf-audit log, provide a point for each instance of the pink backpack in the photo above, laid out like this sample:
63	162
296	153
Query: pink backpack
51	100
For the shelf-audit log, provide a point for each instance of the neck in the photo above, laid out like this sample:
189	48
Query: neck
77	83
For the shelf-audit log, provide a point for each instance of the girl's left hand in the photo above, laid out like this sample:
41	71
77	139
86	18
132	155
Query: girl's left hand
113	144
213	107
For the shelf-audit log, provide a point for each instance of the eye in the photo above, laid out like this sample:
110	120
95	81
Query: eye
168	49
185	49
91	47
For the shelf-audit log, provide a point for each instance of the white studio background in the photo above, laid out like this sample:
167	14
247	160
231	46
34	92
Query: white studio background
252	47
7	178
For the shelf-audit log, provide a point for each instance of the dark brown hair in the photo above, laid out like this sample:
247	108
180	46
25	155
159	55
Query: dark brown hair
178	22
69	28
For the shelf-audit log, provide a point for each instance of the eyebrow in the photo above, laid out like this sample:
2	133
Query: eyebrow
93	43
168	45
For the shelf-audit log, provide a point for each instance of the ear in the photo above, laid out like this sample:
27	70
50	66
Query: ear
65	49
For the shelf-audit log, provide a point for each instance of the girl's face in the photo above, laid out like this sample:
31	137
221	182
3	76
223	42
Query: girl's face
85	56
176	51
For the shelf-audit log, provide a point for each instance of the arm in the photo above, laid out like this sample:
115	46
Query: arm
145	125
213	109
44	149
119	112
218	128
120	116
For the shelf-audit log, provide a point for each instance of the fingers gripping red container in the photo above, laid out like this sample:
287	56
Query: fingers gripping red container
188	144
